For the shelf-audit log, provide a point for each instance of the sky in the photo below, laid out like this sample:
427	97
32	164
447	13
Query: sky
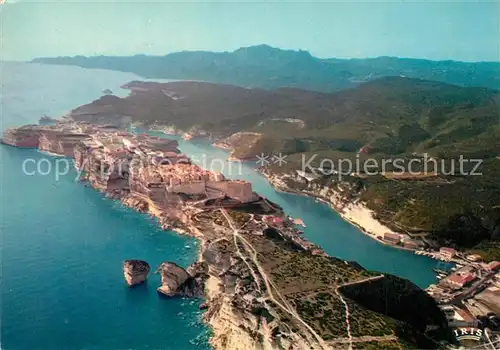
466	31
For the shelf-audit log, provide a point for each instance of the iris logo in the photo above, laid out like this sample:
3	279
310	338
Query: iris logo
468	333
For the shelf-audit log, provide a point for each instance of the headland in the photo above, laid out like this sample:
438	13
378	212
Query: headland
266	286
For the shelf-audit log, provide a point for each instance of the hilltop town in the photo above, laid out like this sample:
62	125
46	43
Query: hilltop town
469	293
265	285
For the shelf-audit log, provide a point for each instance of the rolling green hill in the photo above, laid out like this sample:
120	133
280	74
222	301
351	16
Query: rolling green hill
391	117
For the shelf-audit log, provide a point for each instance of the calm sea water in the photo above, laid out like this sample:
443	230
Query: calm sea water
324	226
62	243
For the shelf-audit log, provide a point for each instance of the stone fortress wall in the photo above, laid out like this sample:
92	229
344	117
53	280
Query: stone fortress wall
100	149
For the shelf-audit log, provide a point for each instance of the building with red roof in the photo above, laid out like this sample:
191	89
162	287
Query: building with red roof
493	266
393	238
459	281
274	220
447	253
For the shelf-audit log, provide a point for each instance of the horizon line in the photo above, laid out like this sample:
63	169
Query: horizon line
261	45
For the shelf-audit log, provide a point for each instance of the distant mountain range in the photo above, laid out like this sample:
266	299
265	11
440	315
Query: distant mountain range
267	67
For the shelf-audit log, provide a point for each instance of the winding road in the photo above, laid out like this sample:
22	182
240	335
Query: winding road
283	303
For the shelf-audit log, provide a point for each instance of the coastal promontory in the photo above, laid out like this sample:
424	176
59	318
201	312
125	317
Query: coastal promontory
177	281
266	286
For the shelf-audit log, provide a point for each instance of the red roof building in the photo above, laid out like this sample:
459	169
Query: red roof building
447	253
465	315
459	281
274	220
392	237
493	266
412	244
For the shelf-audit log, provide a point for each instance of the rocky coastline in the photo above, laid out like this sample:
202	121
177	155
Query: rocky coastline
237	142
226	320
258	274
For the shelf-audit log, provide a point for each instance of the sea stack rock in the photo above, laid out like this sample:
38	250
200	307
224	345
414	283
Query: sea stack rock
135	271
172	278
179	282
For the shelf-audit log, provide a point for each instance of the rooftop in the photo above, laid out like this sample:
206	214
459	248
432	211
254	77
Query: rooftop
447	249
461	279
494	265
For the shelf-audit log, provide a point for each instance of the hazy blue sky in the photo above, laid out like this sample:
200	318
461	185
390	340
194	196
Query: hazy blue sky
435	30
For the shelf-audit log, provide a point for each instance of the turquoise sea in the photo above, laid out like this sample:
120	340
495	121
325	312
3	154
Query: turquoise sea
62	243
323	225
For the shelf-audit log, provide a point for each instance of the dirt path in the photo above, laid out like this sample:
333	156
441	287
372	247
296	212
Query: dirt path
350	339
347	322
283	303
363	339
270	285
240	254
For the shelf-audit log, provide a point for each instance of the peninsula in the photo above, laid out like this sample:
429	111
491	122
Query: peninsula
266	287
421	122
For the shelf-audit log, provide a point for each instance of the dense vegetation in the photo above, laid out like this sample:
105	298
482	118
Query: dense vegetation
391	118
451	210
267	67
389	294
390	115
385	307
